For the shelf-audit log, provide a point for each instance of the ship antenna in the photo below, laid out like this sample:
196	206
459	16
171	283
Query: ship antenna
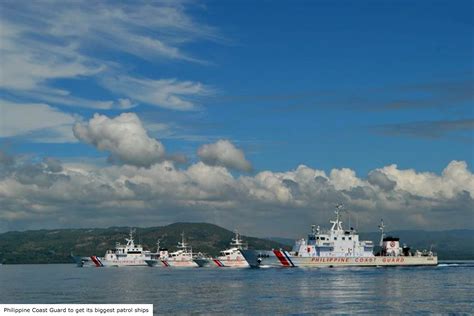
130	239
337	225
182	239
381	227
158	245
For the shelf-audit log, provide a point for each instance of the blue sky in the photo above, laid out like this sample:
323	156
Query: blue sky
307	82
327	84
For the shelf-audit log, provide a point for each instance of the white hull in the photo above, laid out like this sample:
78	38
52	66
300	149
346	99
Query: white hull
281	258
171	263
225	263
98	262
181	264
124	263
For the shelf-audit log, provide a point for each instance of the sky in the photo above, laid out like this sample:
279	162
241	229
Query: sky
259	115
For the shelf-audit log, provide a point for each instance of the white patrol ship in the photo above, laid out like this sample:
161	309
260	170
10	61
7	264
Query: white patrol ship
130	254
231	257
339	247
183	257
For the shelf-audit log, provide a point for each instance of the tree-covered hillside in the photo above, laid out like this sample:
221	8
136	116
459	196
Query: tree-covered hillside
55	246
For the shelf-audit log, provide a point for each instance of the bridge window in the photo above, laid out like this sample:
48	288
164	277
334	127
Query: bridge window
335	238
343	238
350	238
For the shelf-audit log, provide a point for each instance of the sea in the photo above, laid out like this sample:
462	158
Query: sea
445	289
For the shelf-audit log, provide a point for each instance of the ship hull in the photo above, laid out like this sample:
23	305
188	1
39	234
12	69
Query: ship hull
172	263
225	263
182	264
98	262
281	258
127	263
204	262
221	263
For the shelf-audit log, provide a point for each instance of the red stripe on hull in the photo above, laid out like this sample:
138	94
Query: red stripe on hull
96	262
282	258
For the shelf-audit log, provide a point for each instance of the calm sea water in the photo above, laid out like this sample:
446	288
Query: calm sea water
445	289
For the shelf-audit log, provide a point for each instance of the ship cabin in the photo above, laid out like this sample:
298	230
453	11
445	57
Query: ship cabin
337	242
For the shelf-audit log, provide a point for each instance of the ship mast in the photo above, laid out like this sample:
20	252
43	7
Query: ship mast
382	235
158	245
184	246
130	242
337	224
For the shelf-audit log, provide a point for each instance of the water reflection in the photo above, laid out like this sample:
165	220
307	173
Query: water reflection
267	291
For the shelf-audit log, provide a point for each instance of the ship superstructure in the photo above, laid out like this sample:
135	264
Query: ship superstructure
339	247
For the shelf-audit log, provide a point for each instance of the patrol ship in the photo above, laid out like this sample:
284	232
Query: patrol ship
231	257
183	257
340	247
130	254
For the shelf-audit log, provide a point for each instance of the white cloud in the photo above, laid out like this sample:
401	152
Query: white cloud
42	42
27	63
41	122
344	179
124	103
224	153
456	178
291	200
123	136
165	93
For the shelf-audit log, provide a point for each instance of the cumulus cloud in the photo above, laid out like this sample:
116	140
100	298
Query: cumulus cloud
381	180
55	194
124	137
455	178
224	153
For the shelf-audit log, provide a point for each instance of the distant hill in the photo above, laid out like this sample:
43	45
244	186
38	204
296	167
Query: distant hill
449	244
55	246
